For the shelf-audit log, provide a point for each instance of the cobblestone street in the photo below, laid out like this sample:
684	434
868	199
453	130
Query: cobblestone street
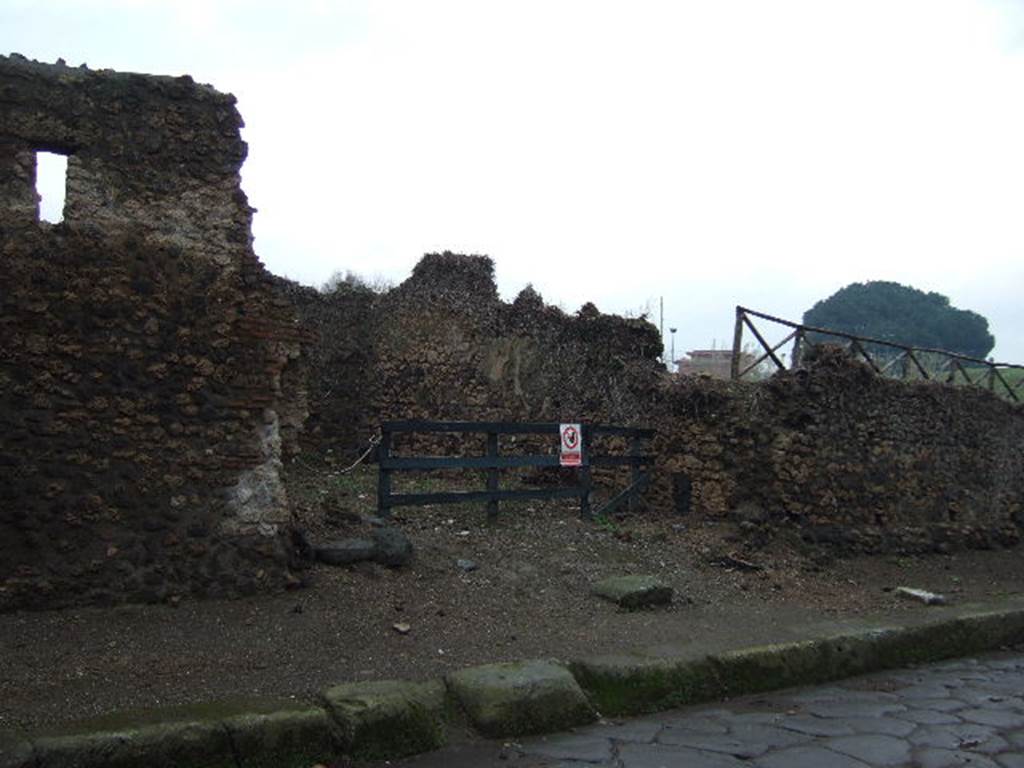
961	713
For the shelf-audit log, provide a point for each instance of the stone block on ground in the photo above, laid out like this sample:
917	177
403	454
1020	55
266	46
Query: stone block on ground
520	698
632	592
388	718
346	551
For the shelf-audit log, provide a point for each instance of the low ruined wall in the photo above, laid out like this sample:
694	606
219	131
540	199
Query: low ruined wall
831	453
150	377
844	458
443	345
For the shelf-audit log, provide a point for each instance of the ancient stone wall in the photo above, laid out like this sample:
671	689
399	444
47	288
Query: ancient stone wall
150	378
153	375
841	457
443	345
831	453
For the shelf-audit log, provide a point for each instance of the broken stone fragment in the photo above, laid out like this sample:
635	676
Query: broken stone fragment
632	592
346	551
921	595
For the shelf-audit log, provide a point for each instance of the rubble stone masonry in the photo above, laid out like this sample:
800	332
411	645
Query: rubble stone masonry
150	378
154	377
831	454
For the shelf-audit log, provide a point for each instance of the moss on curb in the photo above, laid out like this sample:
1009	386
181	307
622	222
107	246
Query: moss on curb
388	718
633	685
15	750
210	735
295	737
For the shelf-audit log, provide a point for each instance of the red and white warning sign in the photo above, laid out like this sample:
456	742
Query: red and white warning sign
571	445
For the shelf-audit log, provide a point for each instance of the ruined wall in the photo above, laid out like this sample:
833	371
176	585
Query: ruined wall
844	458
443	345
830	453
150	378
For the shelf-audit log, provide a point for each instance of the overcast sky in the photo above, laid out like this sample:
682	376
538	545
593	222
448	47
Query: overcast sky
711	152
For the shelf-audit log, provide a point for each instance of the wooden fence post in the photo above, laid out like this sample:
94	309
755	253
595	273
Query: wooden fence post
586	482
737	345
384	475
635	472
798	349
492	475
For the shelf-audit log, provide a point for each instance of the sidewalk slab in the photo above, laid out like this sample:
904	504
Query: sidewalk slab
388	718
521	698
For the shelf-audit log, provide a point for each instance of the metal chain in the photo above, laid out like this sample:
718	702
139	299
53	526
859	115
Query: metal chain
374	441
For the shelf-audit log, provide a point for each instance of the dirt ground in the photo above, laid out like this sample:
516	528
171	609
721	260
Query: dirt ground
529	597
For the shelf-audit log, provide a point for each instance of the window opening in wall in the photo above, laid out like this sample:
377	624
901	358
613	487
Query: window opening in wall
51	185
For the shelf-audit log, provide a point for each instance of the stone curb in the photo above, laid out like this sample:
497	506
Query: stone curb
388	718
521	698
392	718
638	684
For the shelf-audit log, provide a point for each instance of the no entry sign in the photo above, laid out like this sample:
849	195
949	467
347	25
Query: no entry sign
571	445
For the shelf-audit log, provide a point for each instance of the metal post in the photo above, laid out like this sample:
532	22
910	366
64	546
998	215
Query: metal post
737	343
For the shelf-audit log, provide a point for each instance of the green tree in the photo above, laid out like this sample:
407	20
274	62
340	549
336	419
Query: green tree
903	315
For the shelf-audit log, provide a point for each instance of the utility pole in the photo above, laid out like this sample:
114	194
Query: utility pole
661	324
672	361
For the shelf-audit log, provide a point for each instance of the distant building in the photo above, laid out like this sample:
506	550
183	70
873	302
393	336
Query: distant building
716	363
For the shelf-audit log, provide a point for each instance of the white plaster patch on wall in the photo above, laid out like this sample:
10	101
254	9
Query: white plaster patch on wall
257	503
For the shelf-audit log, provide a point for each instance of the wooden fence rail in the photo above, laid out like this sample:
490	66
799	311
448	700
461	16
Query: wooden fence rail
493	462
902	364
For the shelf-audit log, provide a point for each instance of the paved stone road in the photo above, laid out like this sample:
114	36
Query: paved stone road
961	713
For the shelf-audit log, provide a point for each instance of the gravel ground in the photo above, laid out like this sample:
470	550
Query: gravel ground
529	597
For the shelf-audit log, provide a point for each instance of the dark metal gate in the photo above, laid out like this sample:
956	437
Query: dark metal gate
494	461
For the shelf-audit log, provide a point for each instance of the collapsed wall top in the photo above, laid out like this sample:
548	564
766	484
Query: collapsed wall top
157	155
